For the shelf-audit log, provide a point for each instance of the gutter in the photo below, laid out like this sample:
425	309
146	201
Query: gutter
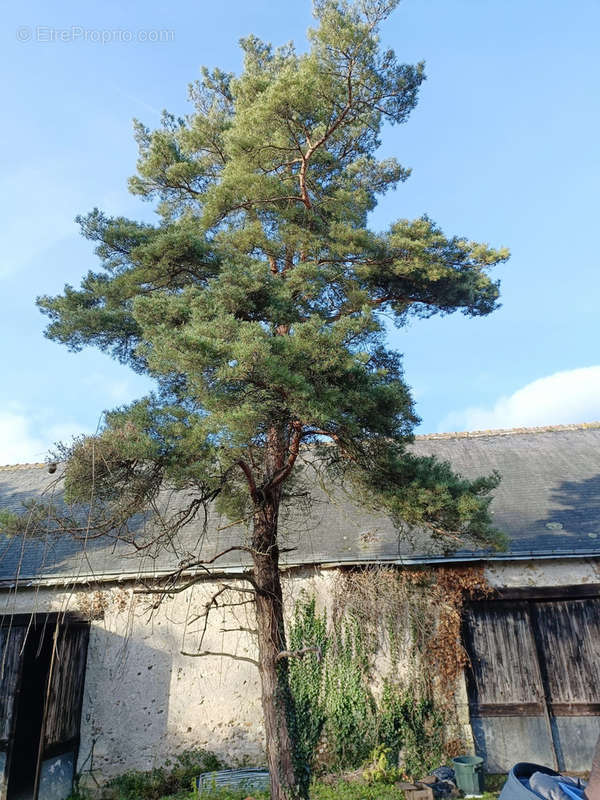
64	581
544	555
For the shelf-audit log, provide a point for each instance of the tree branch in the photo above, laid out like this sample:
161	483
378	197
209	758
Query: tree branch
282	474
249	477
253	631
228	655
320	432
223	605
248	204
171	580
299	653
371	303
329	132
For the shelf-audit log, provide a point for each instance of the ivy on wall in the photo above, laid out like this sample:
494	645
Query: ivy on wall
412	729
345	711
308	629
351	713
414	617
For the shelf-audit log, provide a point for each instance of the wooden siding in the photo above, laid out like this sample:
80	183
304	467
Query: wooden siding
504	669
11	656
534	675
66	687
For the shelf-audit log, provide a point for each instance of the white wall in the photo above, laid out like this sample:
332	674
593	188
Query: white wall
145	701
559	572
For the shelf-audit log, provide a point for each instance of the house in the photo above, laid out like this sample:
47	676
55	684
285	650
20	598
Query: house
93	675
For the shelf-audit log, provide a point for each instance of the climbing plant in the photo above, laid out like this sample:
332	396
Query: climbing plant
391	727
413	618
308	631
350	708
412	729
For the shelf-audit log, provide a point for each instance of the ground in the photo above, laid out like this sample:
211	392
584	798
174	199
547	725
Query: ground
151	786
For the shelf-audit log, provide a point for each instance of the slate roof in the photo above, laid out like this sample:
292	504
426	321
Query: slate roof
548	503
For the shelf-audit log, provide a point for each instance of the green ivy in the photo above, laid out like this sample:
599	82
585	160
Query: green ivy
350	709
411	727
308	629
334	702
391	728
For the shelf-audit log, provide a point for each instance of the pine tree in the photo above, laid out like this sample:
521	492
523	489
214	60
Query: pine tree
256	303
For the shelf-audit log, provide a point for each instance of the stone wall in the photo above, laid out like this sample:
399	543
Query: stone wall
145	701
549	572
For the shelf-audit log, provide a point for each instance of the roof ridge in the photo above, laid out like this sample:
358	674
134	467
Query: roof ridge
7	467
509	431
420	436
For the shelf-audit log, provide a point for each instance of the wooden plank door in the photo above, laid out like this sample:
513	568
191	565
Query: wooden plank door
11	661
568	636
59	742
508	712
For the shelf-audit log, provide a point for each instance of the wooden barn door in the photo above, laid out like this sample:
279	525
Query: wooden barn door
534	681
59	742
11	658
42	671
508	711
569	645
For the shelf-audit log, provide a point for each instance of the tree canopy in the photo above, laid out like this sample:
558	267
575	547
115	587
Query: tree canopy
257	302
258	297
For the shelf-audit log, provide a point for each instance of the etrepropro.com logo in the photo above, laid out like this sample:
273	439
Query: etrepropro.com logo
78	33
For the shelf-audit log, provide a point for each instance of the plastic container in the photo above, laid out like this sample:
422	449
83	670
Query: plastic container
250	778
469	774
517	782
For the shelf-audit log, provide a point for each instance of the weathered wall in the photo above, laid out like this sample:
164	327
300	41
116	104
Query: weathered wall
144	700
555	572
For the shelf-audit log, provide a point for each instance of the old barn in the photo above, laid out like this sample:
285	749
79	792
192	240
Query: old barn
95	682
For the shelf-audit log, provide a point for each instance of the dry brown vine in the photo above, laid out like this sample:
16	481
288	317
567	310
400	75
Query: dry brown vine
414	617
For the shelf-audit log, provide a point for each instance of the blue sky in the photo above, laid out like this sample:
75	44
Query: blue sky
503	146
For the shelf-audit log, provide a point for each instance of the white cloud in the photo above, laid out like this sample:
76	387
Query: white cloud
23	438
562	398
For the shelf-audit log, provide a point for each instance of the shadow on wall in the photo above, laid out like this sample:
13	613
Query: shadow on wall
125	706
125	718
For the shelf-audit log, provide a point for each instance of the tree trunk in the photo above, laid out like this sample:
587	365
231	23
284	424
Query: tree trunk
277	702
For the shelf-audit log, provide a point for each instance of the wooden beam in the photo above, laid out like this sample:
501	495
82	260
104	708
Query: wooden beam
506	709
577	592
